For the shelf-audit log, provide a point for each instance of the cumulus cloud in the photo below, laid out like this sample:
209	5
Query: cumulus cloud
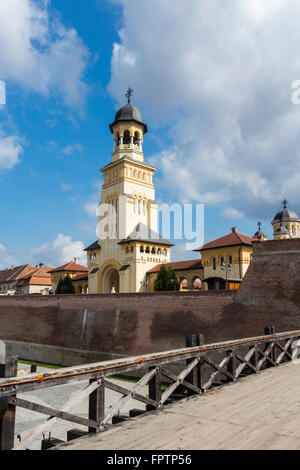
217	76
39	53
69	149
6	258
10	150
60	251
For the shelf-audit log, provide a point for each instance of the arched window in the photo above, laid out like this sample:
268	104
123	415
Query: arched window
126	138
147	249
221	260
214	263
117	138
142	250
165	252
230	259
153	251
136	138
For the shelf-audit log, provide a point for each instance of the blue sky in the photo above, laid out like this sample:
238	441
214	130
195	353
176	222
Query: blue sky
222	128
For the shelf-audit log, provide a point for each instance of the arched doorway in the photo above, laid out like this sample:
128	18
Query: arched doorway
111	280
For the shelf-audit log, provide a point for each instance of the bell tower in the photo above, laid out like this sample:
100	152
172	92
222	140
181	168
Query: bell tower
123	258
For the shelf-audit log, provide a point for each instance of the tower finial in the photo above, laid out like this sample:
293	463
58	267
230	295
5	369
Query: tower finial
129	93
259	225
284	202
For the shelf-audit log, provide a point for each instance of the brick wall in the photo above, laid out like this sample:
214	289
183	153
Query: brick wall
142	323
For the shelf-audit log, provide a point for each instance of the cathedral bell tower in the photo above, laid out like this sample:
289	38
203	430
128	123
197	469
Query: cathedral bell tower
122	260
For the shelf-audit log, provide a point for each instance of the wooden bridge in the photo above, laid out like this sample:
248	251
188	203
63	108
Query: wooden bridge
199	406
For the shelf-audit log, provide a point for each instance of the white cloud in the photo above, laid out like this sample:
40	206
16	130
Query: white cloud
6	258
60	251
91	208
69	149
232	213
41	54
10	151
66	187
218	75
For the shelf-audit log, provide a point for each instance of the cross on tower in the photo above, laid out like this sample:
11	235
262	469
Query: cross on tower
284	202
259	225
129	93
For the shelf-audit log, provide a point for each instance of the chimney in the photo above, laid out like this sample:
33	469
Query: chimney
75	260
41	265
12	267
234	229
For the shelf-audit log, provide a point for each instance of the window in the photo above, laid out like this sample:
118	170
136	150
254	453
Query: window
126	138
136	138
221	260
230	259
214	264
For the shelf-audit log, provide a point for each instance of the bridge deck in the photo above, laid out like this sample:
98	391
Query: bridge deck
258	412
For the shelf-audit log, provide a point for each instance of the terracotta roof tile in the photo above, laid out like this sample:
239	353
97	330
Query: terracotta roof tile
70	267
188	264
233	238
80	277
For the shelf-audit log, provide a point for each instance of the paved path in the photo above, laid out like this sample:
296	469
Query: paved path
258	412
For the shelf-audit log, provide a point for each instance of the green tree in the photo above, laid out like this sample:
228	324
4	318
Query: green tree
166	280
59	287
65	286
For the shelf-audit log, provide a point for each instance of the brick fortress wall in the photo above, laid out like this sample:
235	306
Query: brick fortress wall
126	324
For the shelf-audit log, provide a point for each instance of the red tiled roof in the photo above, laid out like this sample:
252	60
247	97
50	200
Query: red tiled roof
80	277
70	267
188	264
36	276
233	238
7	275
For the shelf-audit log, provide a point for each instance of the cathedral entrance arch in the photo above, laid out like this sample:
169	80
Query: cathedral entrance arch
109	278
111	281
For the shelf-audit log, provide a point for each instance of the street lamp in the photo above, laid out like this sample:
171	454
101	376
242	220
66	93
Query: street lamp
226	267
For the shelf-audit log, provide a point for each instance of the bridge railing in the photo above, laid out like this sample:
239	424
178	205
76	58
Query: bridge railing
202	367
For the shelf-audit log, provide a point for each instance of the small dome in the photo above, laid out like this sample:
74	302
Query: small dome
284	215
129	113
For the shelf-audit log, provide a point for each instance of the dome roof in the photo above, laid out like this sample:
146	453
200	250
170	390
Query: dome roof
285	214
129	113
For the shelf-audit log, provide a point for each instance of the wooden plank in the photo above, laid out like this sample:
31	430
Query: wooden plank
220	369
115	409
181	376
124	391
8	410
44	427
245	361
265	356
184	383
284	350
52	412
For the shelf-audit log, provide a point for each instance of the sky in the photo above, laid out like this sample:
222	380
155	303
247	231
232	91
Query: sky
212	79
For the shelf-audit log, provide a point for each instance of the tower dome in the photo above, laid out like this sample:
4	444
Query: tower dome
260	235
286	223
285	214
129	113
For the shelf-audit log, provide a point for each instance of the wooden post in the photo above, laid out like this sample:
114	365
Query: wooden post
201	366
7	412
154	389
191	342
231	365
97	403
270	330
